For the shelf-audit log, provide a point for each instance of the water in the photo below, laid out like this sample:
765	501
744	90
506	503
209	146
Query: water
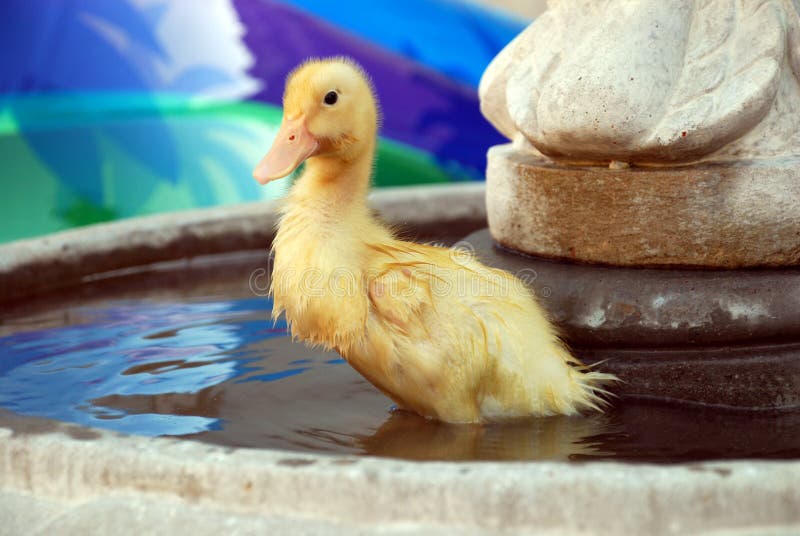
198	358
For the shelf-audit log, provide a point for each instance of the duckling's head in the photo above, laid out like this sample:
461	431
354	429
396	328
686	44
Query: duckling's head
329	110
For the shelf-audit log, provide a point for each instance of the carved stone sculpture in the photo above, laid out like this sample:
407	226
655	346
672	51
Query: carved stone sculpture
648	134
705	90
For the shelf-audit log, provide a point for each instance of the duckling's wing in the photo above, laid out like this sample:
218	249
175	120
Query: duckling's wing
420	285
402	295
430	346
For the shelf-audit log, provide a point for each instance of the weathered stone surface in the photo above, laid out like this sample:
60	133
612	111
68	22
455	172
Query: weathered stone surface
136	514
651	81
248	490
651	308
712	215
24	513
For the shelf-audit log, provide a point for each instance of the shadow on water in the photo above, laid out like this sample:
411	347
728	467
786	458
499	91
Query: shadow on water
197	358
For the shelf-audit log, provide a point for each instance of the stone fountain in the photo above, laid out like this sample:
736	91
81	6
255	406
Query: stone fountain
652	184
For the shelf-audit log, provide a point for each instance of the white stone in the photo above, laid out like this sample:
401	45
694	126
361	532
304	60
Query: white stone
651	82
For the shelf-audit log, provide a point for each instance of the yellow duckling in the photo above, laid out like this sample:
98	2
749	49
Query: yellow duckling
435	330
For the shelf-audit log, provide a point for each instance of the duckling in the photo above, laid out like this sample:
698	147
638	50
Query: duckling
434	329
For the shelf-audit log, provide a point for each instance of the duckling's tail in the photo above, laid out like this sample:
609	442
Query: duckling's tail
566	386
588	386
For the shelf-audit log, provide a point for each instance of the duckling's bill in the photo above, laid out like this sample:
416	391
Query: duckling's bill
292	145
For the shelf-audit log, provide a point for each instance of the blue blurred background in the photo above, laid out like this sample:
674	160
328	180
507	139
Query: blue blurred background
115	108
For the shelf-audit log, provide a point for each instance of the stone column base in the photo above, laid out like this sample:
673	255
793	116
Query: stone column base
725	215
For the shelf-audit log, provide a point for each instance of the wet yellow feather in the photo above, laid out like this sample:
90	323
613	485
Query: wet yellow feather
437	331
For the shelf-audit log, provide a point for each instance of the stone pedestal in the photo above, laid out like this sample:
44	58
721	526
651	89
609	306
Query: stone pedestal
649	134
726	215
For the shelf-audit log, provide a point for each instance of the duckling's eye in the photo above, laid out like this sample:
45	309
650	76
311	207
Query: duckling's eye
331	97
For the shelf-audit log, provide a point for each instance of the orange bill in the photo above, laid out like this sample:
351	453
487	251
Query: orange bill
293	144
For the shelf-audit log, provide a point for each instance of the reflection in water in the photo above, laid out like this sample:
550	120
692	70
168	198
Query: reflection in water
405	435
220	371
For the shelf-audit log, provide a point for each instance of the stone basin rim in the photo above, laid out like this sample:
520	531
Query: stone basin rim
33	266
58	461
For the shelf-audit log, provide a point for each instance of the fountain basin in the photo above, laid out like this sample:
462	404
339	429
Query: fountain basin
73	477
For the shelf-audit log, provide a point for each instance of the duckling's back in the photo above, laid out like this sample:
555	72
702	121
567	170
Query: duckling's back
450	338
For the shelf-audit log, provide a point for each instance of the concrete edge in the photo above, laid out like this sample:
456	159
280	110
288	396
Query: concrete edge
58	461
29	267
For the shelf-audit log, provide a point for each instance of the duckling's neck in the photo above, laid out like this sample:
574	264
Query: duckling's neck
325	230
327	209
334	185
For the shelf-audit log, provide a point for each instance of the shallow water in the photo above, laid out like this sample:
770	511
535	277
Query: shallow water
207	364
